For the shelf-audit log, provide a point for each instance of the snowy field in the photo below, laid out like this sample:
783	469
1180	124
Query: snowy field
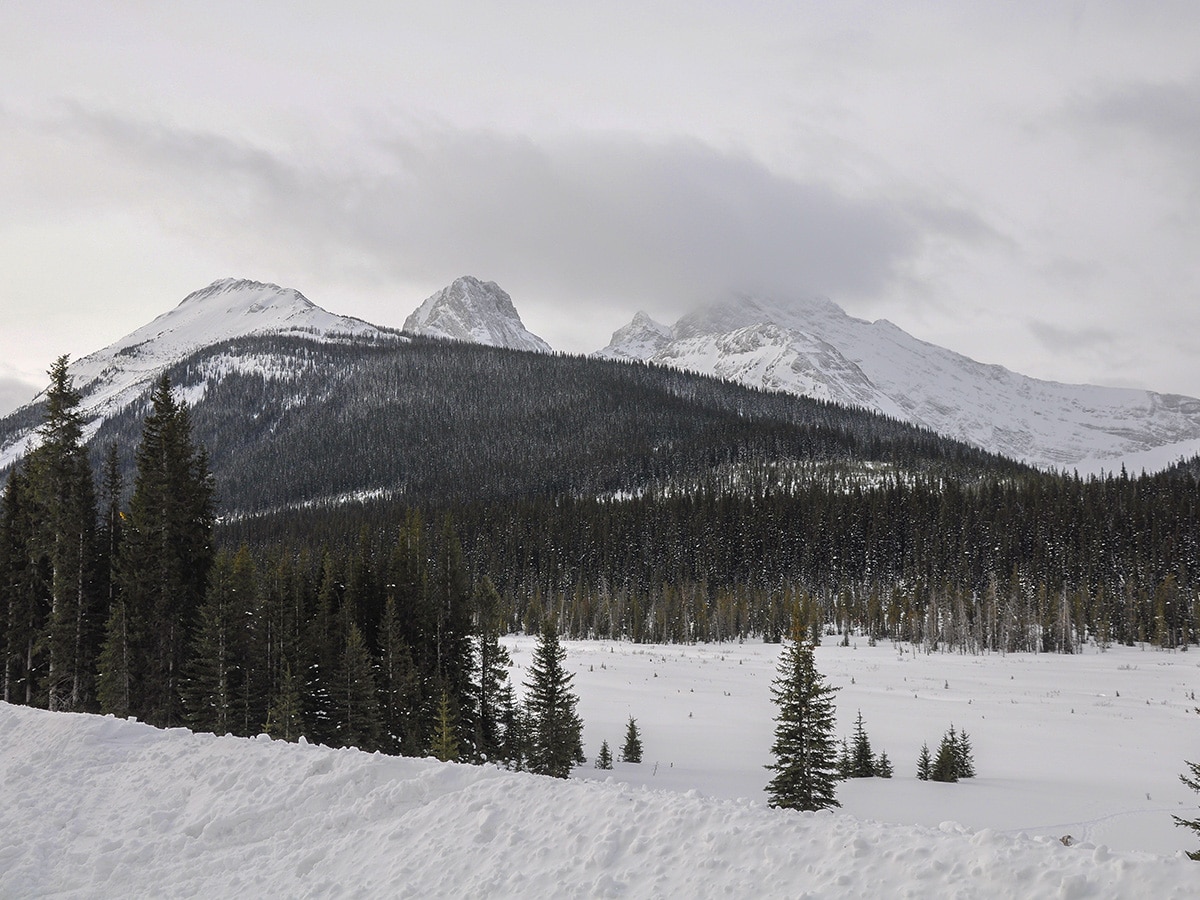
1089	746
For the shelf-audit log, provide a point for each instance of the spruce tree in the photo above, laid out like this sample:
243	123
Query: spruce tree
555	740
631	750
63	500
964	757
399	687
165	558
285	718
805	753
945	764
604	758
883	765
357	703
445	737
924	764
1193	782
22	611
862	760
493	673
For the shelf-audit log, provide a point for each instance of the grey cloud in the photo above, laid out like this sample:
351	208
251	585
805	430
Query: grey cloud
1057	338
1166	112
584	218
14	393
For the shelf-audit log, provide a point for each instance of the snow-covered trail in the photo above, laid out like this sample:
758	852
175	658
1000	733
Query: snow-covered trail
99	807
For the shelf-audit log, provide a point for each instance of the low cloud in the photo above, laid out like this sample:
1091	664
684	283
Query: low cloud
15	393
597	216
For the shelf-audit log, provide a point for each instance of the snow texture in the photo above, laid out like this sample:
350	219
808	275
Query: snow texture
478	312
813	347
100	807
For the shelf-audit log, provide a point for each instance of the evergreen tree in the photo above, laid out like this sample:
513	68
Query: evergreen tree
924	764
945	764
1193	782
165	558
805	759
358	722
493	673
964	758
555	741
285	718
883	765
445	737
22	611
862	760
845	762
604	758
399	687
631	750
63	539
450	592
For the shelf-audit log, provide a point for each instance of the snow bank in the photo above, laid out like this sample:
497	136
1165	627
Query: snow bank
100	807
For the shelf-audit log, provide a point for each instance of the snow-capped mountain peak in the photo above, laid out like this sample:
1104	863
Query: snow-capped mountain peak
813	347
640	339
111	378
478	312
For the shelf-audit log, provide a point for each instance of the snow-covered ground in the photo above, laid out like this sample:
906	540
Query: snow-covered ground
1089	746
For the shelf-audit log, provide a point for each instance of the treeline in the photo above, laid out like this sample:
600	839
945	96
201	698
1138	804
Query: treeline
1038	562
131	610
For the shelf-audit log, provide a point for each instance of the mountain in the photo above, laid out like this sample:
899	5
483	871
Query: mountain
474	311
114	377
812	347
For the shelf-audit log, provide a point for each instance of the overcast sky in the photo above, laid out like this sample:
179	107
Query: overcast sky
1014	181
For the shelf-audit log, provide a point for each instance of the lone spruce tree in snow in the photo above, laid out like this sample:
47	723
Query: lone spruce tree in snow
555	740
806	763
604	758
631	750
1194	783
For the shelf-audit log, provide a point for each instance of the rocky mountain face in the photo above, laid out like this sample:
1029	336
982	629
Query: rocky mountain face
478	312
813	347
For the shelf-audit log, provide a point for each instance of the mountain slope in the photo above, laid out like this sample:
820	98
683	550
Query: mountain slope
814	348
478	312
112	378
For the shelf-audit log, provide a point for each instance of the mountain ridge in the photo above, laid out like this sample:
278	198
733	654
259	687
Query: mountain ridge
813	347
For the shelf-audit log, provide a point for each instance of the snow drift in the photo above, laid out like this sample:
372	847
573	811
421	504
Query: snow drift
101	807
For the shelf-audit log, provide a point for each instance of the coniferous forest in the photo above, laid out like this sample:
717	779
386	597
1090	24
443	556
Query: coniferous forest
172	571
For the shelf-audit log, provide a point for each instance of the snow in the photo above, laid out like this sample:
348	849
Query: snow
478	312
813	347
99	807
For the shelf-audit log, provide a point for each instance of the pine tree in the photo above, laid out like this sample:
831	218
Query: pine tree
604	758
555	741
631	750
804	749
1193	782
924	764
862	760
